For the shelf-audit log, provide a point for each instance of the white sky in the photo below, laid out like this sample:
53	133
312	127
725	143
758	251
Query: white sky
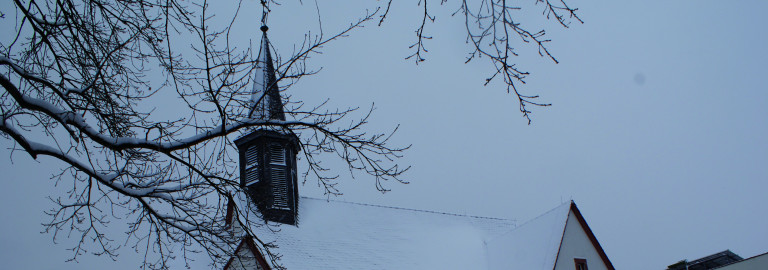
657	130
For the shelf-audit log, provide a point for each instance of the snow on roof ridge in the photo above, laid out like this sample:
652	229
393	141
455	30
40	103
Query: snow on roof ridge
532	245
538	217
545	213
409	209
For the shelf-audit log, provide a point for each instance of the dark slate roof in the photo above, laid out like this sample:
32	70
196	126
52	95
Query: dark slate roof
265	96
708	262
760	259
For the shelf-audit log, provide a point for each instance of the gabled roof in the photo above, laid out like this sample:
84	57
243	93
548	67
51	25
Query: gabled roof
343	235
592	238
247	246
536	244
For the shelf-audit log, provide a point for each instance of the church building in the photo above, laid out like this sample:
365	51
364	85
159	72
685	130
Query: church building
323	234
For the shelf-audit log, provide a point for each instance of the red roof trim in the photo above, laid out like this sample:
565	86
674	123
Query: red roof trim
591	236
254	250
237	250
257	253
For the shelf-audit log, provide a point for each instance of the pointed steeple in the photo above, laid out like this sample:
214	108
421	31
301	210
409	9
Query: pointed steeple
265	96
268	153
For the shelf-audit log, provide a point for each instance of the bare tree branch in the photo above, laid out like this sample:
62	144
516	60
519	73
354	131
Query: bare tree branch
76	83
79	80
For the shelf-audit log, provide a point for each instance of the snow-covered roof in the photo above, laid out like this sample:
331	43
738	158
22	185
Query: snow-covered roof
533	245
342	235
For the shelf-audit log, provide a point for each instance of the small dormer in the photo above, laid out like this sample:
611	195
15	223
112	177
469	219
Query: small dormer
268	155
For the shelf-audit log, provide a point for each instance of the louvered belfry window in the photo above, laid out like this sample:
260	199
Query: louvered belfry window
279	176
268	173
252	165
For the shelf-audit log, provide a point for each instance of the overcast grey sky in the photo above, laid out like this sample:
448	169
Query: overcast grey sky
657	131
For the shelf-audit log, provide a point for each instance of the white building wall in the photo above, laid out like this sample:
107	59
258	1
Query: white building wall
576	244
759	262
244	261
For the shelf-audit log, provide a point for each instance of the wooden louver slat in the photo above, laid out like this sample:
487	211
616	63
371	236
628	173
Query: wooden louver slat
276	154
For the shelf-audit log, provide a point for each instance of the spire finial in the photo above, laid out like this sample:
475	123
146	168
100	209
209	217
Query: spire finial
264	14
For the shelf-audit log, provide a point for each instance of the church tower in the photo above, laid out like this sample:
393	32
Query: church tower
268	154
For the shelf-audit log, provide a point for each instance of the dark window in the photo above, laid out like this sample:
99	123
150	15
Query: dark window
581	264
